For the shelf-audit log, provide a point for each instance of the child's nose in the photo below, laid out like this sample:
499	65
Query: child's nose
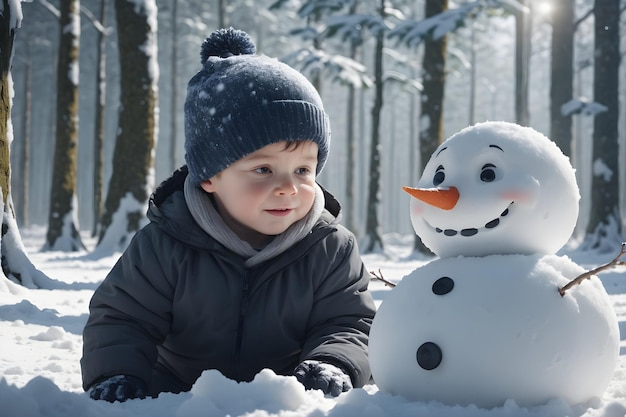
286	186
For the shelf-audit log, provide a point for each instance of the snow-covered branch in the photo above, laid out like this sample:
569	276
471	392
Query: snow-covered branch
51	8
341	68
95	22
413	32
582	106
351	27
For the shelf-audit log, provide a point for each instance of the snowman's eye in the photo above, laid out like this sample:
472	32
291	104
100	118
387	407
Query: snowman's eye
488	173
439	176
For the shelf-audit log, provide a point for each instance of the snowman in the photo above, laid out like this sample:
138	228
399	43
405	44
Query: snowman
485	322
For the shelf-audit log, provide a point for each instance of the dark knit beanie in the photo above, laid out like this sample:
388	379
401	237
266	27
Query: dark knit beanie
240	102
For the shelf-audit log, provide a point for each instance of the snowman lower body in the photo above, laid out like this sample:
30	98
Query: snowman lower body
485	330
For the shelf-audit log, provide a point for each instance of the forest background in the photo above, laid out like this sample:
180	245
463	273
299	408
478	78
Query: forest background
396	77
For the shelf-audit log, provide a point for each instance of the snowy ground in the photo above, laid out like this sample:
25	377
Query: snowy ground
41	330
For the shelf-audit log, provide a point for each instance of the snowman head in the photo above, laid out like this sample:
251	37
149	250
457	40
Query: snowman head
495	188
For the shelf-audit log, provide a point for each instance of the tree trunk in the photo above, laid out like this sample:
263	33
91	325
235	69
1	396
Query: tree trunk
7	39
98	146
316	74
133	160
604	230
24	168
522	60
16	266
471	118
562	74
434	78
63	231
351	142
221	13
174	90
373	238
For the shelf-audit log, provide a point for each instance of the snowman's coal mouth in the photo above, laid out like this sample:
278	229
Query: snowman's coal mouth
490	225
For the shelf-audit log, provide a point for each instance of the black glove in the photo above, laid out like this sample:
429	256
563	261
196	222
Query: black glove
323	376
118	388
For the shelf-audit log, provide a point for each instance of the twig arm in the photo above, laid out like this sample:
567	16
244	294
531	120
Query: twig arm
379	276
615	262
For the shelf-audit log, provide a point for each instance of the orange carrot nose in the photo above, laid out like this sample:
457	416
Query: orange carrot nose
444	199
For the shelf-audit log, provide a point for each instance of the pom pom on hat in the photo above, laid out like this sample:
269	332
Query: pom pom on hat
226	42
240	102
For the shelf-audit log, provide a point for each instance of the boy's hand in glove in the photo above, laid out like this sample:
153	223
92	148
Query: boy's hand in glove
118	388
323	376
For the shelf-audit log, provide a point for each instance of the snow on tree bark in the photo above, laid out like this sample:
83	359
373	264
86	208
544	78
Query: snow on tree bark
604	230
133	158
434	78
16	266
99	128
63	229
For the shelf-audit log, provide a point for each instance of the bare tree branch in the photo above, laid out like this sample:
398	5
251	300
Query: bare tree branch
379	276
583	18
95	22
56	12
615	262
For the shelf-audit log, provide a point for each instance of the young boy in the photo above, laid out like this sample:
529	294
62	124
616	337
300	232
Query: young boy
243	265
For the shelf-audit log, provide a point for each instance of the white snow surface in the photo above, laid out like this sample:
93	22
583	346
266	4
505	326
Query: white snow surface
41	348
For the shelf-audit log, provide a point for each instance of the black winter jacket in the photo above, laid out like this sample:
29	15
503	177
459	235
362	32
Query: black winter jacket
178	302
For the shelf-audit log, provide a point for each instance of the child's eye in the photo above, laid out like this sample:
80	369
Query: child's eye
303	171
263	170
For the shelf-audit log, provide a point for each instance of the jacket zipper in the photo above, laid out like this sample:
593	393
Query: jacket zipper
245	294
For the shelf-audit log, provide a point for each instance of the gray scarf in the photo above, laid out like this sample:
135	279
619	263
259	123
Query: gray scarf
207	217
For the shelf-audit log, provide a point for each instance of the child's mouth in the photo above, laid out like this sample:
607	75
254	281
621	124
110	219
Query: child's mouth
279	212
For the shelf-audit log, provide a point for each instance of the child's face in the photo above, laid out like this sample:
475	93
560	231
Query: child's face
265	192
